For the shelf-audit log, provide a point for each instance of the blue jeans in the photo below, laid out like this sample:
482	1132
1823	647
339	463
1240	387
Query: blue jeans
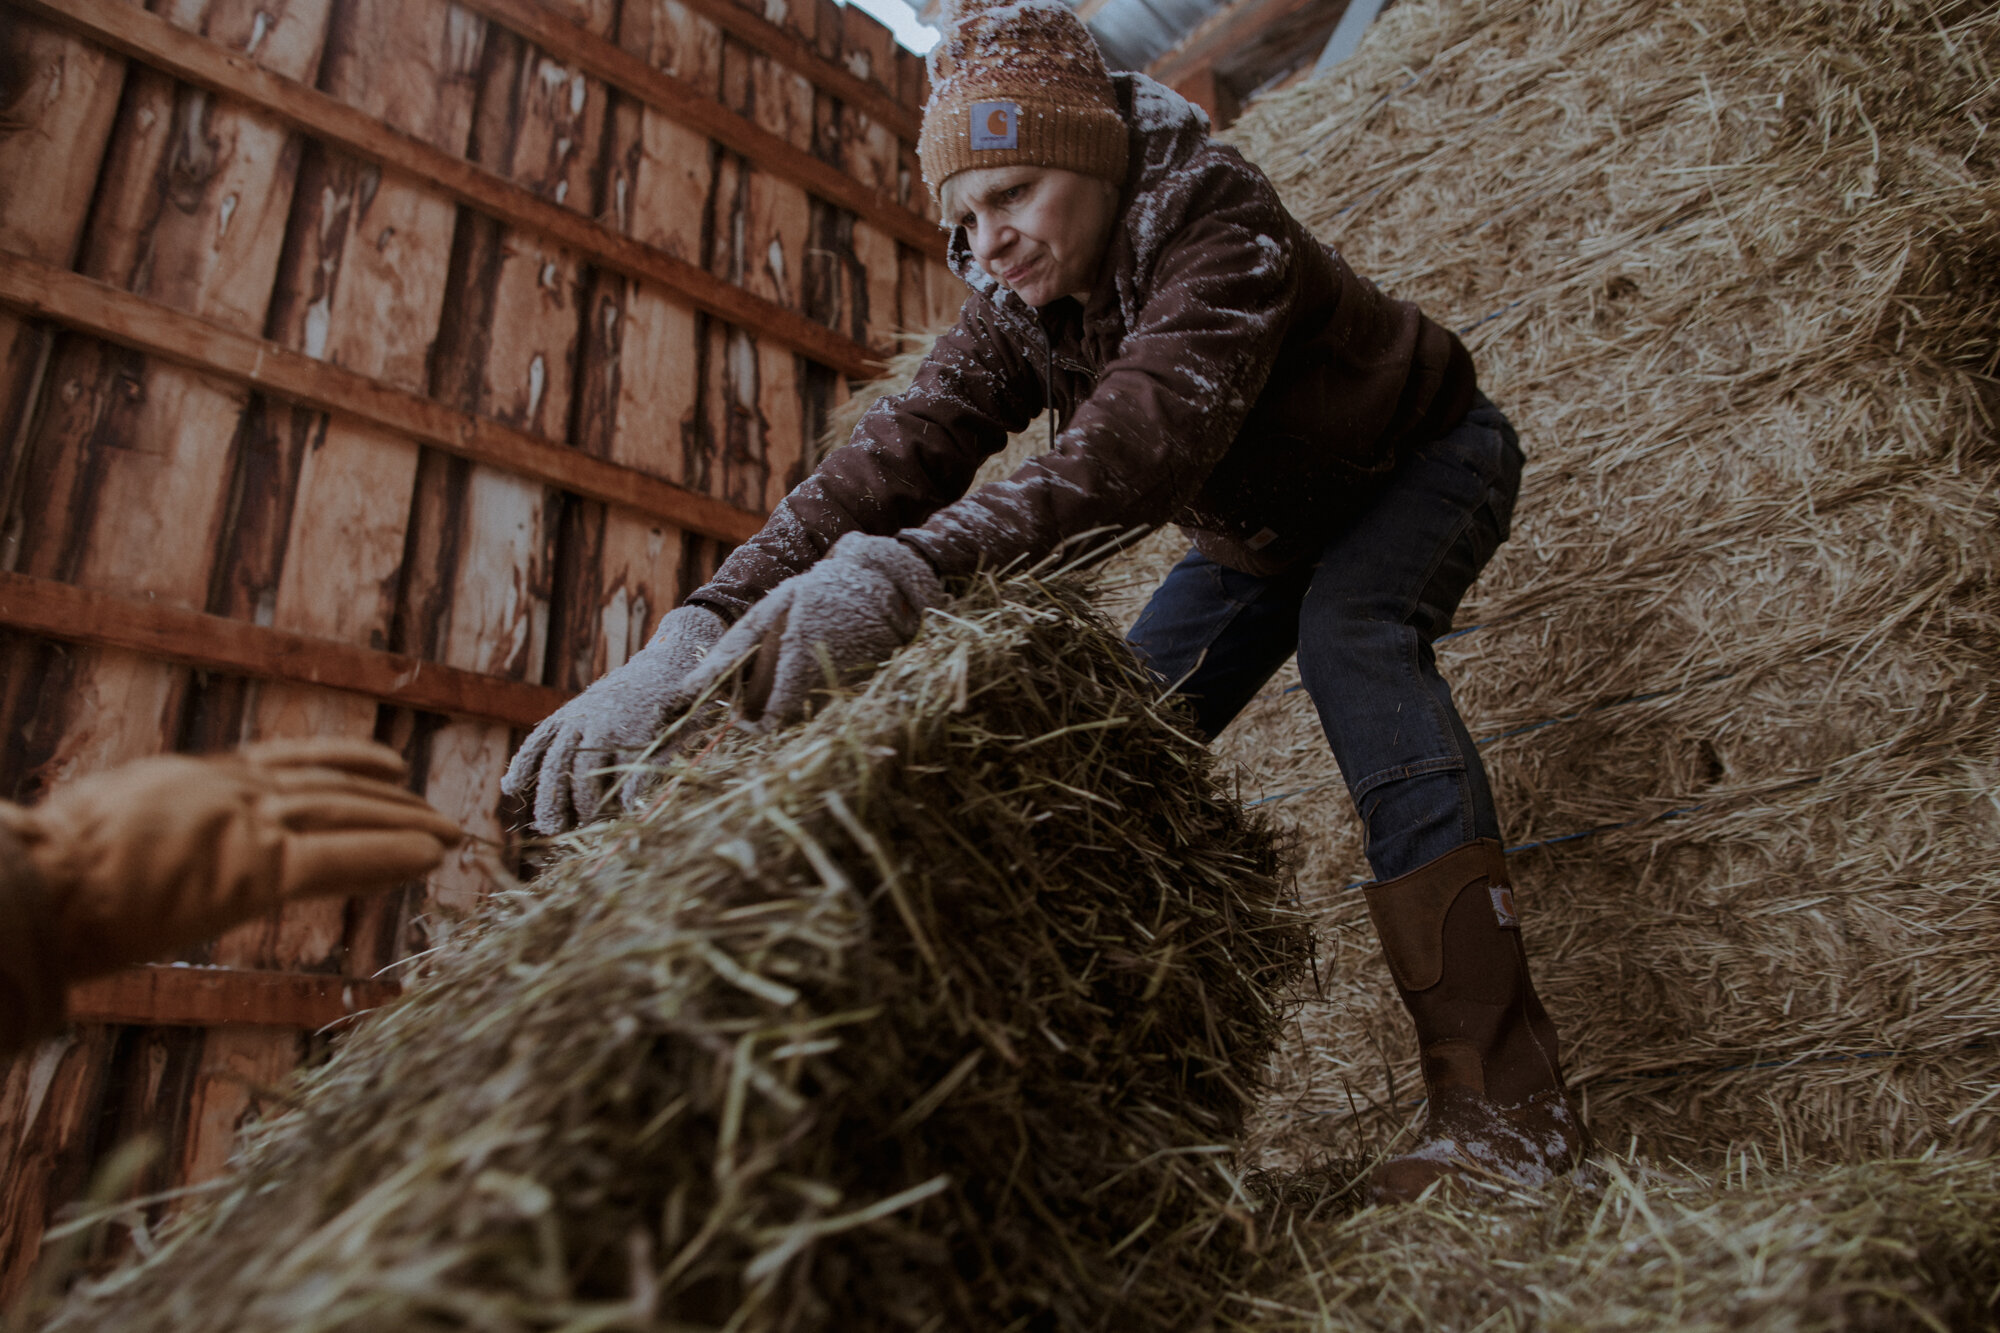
1361	618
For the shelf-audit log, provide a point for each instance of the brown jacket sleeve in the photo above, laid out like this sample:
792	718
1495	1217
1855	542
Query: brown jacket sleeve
31	990
1208	321
910	454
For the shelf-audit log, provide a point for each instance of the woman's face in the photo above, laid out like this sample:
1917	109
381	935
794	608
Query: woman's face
1039	231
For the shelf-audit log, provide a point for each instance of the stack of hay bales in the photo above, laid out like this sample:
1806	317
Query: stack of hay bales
1881	1245
943	1008
1734	270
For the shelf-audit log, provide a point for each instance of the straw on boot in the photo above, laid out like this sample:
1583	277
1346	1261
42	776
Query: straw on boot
1497	1101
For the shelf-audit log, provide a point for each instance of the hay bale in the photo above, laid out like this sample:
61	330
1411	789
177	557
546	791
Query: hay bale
940	1007
1883	1245
1734	270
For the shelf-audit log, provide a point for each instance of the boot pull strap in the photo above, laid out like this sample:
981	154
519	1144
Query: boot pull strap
1409	911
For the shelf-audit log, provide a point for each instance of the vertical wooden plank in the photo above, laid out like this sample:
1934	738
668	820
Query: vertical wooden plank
852	272
152	1071
49	1118
912	88
775	210
910	80
663	183
875	321
125	482
872	155
777	225
362	285
831	271
365	288
62	99
930	294
62	104
912	292
240	1067
638	392
639	365
477	583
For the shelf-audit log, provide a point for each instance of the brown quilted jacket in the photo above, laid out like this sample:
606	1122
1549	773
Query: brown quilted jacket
1229	372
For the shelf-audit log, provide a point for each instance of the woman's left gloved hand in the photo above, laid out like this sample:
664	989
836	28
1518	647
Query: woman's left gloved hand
862	601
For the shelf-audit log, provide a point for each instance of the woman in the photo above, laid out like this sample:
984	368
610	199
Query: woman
1210	363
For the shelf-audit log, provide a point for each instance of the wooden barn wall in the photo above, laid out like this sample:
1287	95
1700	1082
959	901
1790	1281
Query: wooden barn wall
168	490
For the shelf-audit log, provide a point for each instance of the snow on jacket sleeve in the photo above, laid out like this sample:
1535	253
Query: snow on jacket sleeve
910	454
1209	320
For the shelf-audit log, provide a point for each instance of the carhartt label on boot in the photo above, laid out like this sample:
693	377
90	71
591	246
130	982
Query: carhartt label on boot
1503	906
996	125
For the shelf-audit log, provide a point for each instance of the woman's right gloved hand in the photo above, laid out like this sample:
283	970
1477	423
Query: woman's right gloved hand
560	768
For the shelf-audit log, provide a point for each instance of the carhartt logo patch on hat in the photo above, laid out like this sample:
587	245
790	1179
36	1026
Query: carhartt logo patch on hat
996	125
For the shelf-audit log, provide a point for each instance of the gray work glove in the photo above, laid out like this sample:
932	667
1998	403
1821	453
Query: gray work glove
560	767
862	601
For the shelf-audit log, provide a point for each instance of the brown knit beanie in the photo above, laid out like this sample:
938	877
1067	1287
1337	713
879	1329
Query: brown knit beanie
1019	81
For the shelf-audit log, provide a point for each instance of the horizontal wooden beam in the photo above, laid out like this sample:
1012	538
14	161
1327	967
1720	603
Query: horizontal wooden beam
134	32
164	996
578	46
132	321
216	643
760	34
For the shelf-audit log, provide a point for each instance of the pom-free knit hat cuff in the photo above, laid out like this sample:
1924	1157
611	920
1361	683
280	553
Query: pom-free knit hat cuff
1084	137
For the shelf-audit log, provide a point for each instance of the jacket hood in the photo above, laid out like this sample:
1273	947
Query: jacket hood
1167	133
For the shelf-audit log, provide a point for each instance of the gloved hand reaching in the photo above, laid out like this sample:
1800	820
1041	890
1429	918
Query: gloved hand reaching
560	767
143	860
862	601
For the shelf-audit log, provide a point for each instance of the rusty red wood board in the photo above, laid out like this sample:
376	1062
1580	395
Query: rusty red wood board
137	33
165	996
79	615
132	321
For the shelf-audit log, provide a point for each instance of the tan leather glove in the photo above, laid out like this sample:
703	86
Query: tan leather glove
145	859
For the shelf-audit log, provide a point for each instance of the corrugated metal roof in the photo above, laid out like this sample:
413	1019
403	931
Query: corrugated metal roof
1134	33
1265	45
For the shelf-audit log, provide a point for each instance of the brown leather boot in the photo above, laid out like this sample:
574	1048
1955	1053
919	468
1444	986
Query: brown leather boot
1498	1107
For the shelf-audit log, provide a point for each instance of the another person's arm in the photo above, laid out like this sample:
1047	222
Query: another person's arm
144	860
